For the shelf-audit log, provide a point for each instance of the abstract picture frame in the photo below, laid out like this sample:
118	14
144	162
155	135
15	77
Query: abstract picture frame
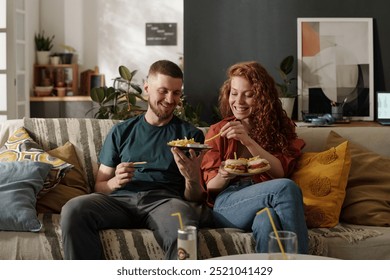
335	67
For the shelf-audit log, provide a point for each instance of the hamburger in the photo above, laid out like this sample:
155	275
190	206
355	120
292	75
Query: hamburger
236	165
257	165
252	165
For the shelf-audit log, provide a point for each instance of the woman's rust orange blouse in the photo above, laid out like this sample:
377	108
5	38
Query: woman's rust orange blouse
223	148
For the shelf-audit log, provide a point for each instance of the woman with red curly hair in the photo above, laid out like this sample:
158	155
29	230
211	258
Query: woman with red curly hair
254	124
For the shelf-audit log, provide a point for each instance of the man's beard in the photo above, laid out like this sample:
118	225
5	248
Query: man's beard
162	115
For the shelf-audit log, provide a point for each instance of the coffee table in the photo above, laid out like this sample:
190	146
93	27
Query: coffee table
264	256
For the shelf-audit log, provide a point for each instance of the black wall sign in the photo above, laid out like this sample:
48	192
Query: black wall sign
161	34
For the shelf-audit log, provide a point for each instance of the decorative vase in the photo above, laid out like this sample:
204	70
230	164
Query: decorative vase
43	57
288	105
66	58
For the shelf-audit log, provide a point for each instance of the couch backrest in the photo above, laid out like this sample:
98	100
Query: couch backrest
374	138
87	135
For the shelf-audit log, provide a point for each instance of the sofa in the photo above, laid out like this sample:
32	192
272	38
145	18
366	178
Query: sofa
78	141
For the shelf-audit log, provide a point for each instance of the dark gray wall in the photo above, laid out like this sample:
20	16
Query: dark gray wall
219	33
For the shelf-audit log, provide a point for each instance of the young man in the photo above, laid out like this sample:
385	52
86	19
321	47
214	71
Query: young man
144	196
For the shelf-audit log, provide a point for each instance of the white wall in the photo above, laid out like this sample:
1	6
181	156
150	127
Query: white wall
111	33
32	18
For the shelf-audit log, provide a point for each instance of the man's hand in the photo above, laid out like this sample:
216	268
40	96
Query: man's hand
109	179
124	172
189	167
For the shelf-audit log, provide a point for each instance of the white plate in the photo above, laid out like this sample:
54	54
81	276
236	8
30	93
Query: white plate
195	147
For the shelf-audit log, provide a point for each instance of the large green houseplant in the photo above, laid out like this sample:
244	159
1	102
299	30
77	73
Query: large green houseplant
121	101
189	113
124	100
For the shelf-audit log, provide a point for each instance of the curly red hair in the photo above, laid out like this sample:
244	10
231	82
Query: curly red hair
271	127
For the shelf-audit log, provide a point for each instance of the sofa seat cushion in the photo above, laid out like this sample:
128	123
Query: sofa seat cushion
367	200
140	243
322	178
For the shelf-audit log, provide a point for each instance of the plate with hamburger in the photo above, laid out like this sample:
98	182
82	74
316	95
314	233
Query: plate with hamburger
247	167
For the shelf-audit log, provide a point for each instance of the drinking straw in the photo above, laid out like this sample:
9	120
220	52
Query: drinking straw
274	229
180	220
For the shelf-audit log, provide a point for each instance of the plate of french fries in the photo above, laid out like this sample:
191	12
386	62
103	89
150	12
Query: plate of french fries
186	144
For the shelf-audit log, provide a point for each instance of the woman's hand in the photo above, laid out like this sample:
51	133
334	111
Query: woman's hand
224	174
236	130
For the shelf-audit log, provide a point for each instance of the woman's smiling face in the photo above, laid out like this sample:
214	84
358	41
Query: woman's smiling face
241	97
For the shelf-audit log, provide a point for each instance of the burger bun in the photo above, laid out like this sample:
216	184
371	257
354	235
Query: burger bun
257	165
236	165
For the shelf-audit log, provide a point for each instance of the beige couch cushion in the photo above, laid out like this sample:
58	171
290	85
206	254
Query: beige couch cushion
367	200
72	185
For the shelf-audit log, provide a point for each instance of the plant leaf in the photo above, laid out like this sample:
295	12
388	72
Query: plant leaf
136	87
287	64
97	94
125	73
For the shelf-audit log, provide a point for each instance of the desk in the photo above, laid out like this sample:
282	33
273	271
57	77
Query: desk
264	256
350	124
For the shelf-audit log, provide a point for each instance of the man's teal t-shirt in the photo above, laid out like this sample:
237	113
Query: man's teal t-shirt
136	140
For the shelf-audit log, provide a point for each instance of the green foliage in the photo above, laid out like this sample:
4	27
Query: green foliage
217	116
190	114
43	43
122	100
68	48
285	68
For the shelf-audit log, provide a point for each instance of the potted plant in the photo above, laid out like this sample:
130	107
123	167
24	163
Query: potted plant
189	113
121	101
43	45
67	55
287	92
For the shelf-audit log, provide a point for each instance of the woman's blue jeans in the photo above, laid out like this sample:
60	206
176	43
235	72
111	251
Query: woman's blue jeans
238	204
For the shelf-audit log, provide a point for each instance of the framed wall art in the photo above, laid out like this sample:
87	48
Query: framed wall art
335	66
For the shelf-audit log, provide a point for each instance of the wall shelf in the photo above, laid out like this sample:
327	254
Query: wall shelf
59	76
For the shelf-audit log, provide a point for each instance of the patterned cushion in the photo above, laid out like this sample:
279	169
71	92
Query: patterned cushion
87	136
20	146
323	178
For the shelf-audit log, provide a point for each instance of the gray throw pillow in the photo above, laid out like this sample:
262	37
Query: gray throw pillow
20	182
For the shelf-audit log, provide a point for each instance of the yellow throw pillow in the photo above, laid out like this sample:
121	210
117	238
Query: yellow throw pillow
323	178
367	200
20	146
72	185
